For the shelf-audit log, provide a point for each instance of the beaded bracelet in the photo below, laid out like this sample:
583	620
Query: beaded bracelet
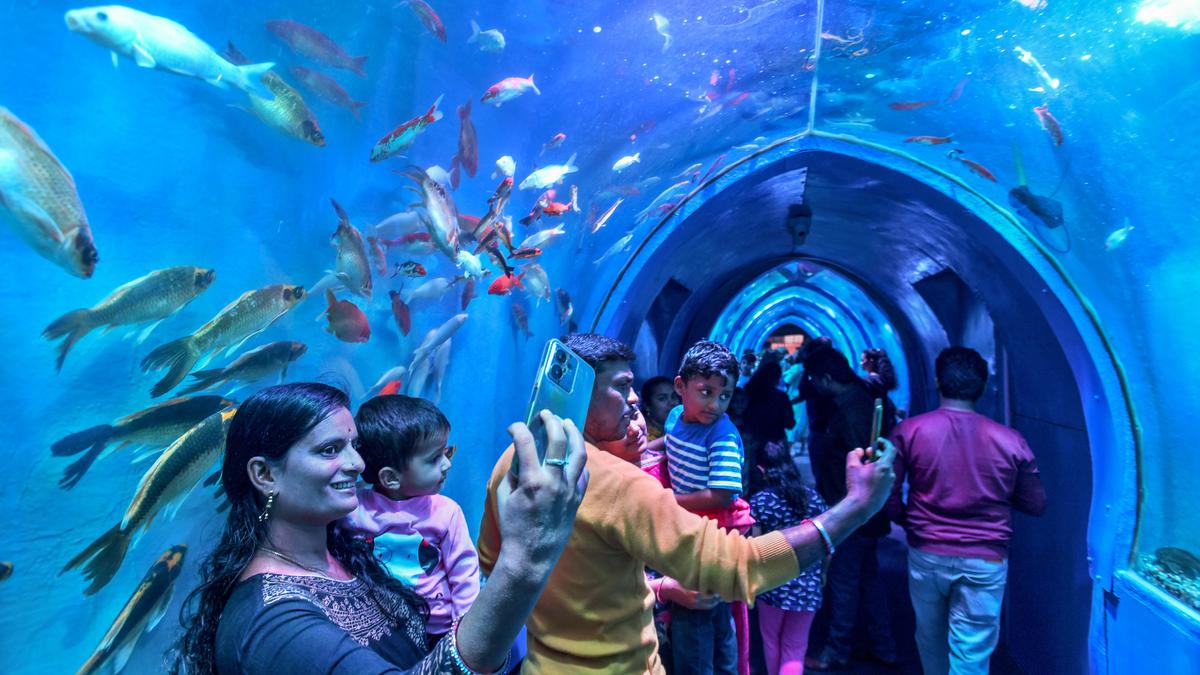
458	661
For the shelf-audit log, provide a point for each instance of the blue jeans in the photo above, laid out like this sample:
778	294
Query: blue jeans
703	641
957	602
853	583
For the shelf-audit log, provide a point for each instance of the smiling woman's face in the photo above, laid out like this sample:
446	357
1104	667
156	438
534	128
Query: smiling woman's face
315	482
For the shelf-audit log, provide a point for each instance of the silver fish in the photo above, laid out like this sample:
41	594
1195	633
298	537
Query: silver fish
153	297
38	196
240	320
616	248
537	283
436	337
438	214
353	268
256	364
162	489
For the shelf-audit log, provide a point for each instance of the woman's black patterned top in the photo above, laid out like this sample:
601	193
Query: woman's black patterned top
773	513
280	623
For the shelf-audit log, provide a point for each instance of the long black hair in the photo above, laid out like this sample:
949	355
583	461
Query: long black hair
781	475
879	363
268	424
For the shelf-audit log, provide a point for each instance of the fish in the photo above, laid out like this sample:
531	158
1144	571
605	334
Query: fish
537	283
491	40
440	175
401	313
550	175
910	105
140	614
667	196
536	211
526	253
351	266
157	42
413	244
312	43
392	388
39	200
543	237
626	162
150	429
470	265
394	374
285	111
441	360
436	337
929	140
1118	236
974	166
957	92
327	88
468	293
574	203
556	209
1030	60
505	166
411	269
346	321
617	247
6	570
398	225
378	256
603	219
162	489
428	17
438	213
507	89
261	362
468	146
247	316
554	142
661	25
433	289
521	319
566	310
420	371
150	298
692	172
503	285
488	228
1050	124
403	136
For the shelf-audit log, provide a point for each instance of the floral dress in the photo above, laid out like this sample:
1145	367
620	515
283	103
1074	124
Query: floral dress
802	594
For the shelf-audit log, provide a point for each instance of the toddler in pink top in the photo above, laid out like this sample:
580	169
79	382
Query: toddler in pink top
419	535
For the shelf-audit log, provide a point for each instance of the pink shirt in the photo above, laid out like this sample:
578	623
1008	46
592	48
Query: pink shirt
965	475
424	542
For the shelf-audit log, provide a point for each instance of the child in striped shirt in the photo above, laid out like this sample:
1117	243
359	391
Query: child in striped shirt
704	460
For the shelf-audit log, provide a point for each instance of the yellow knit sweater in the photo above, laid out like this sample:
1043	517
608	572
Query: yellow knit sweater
594	615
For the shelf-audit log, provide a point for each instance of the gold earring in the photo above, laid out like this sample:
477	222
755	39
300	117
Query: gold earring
262	517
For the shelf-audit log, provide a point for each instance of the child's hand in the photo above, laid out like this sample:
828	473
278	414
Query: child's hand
671	591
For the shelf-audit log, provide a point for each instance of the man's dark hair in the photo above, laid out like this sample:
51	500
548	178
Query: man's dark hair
649	385
391	428
706	359
597	349
961	373
812	347
830	362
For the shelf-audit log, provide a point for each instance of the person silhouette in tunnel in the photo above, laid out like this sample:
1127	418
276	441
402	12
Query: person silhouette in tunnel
596	612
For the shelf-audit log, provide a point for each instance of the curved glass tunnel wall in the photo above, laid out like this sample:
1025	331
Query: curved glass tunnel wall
172	171
822	303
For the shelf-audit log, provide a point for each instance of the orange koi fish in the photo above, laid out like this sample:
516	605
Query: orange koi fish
974	166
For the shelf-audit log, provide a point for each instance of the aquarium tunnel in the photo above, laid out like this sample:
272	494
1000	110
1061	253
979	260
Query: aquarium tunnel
1016	176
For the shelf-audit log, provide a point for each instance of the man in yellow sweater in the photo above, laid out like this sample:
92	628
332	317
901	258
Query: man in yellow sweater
594	615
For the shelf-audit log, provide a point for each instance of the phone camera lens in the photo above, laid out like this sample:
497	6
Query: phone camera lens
560	356
556	372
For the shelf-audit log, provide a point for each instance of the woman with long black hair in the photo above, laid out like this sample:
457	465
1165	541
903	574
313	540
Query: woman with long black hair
289	589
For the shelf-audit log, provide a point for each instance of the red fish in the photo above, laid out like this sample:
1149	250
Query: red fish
327	88
428	17
521	319
392	388
538	207
316	45
346	321
468	223
503	190
910	105
503	285
468	293
401	313
526	253
468	146
929	140
974	166
556	208
553	142
410	269
1050	124
403	136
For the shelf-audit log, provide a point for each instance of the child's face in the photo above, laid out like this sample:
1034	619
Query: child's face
662	399
705	399
425	473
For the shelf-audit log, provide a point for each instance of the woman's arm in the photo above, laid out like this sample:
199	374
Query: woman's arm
536	514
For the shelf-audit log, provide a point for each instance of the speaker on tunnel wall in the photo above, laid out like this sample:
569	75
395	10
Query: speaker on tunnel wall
799	222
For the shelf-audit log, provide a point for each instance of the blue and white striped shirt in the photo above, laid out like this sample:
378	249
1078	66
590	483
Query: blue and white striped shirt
703	456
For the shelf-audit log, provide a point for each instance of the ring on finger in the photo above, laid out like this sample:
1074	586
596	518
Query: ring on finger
556	461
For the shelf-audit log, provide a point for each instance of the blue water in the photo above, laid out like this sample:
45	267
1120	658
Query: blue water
172	171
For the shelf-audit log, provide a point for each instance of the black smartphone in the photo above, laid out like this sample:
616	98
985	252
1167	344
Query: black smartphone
563	386
876	429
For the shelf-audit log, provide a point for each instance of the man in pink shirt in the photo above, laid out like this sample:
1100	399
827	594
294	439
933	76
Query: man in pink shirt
965	474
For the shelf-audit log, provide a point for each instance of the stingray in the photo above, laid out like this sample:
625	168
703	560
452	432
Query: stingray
1031	205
